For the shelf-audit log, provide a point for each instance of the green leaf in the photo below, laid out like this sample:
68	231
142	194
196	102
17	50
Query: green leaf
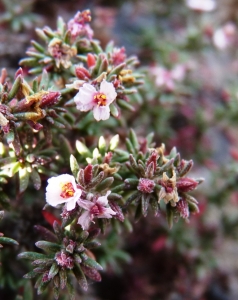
31	255
105	184
80	277
24	179
35	177
82	149
53	270
28	291
74	166
134	140
92	264
9	241
48	246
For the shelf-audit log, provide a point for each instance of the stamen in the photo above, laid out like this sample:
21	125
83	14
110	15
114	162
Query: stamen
67	190
100	99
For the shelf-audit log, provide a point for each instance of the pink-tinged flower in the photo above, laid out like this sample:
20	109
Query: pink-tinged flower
167	78
225	37
88	98
146	185
201	5
63	189
118	56
182	208
185	184
61	52
95	209
77	26
168	190
64	260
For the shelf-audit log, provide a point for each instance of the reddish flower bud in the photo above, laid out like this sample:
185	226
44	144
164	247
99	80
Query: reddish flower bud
82	73
182	208
88	174
108	158
90	60
146	185
50	99
186	184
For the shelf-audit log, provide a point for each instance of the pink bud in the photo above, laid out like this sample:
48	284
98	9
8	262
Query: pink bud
90	60
49	99
182	208
186	184
146	185
88	174
81	73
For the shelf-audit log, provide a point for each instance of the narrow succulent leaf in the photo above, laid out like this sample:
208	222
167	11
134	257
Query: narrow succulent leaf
155	206
44	83
193	208
42	287
123	104
116	70
9	241
133	163
31	255
38	46
129	146
150	138
24	179
144	204
46	233
35	177
82	149
92	264
135	196
28	291
74	165
53	270
105	184
58	230
63	278
30	275
131	183
56	292
96	180
80	277
134	140
114	206
114	110
92	273
83	236
48	246
15	87
1	214
186	168
92	244
102	145
169	215
138	212
71	290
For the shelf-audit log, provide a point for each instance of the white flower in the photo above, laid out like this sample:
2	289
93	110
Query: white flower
95	209
88	98
225	36
201	5
62	189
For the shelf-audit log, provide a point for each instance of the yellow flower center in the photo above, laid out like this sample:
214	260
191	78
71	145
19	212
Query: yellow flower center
100	99
67	190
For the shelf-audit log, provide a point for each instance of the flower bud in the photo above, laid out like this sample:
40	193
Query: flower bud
82	73
90	60
146	185
186	184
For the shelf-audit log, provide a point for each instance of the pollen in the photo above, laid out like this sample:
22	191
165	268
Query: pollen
100	99
67	190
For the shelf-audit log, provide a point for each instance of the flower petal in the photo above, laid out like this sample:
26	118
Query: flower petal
84	220
101	112
108	89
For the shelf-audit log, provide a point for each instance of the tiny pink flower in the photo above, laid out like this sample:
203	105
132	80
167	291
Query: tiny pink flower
182	208
64	260
88	98
225	36
201	5
63	189
146	185
95	209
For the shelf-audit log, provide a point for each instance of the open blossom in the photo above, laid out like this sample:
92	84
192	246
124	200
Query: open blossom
201	5
88	98
166	78
95	209
168	190
63	189
225	36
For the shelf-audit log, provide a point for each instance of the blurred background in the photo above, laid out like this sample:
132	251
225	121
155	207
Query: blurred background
188	51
